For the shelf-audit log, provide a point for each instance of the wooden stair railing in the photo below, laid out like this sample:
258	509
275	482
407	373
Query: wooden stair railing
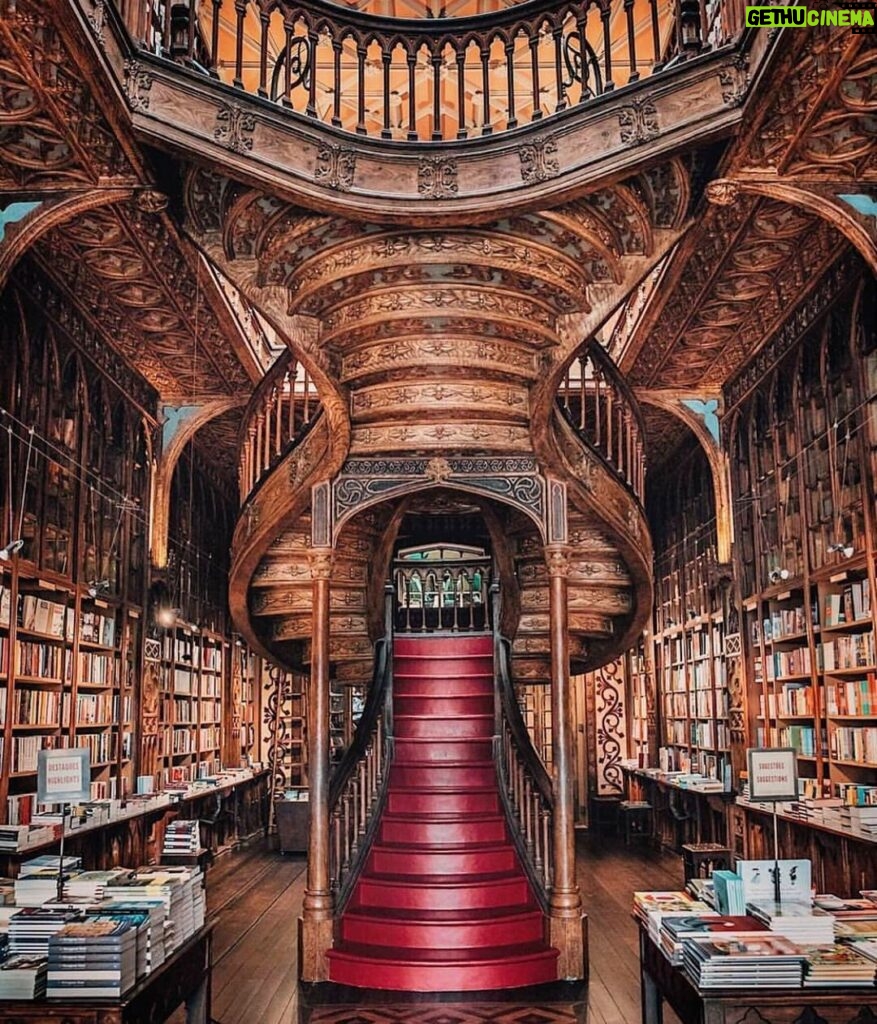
281	411
358	787
369	74
599	405
525	785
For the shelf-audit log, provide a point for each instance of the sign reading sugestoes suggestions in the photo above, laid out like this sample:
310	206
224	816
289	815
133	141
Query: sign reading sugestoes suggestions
773	773
64	776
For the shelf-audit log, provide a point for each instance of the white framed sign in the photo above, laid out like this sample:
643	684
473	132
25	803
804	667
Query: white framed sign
773	773
64	776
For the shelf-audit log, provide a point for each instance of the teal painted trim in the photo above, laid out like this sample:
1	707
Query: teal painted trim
708	411
175	416
15	212
861	203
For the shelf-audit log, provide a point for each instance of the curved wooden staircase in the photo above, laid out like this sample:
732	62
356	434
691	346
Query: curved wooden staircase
443	902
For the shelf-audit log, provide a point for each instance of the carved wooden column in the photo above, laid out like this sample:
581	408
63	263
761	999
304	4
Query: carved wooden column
318	907
565	905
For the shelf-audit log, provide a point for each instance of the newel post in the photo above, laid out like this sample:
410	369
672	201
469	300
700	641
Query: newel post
565	901
318	907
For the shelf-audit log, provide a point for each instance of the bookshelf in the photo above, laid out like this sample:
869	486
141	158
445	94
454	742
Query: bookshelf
242	721
690	615
641	683
534	700
802	449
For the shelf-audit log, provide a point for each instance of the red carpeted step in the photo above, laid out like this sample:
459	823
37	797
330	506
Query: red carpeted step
442	751
450	970
443	903
396	859
442	892
443	929
418	830
443	776
432	727
440	802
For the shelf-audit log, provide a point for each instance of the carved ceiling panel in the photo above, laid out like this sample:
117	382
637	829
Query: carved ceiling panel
217	442
125	264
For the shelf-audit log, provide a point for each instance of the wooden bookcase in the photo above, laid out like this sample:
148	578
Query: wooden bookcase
689	641
642	738
802	449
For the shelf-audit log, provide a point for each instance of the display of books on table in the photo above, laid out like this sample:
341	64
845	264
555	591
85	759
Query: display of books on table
799	922
93	959
675	929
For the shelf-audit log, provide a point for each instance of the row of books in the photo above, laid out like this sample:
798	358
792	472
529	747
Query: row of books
852	604
853	696
859	743
40	615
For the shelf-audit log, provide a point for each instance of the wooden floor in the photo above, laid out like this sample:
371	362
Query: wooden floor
257	895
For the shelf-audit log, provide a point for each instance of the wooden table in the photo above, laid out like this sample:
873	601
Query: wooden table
183	978
660	981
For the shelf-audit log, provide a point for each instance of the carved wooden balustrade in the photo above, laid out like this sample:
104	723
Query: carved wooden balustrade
598	404
447	594
421	79
282	410
358	787
525	784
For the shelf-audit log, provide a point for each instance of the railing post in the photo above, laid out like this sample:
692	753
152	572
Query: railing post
565	902
318	906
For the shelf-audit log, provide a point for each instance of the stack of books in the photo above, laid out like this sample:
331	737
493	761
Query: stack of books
728	888
674	930
852	930
93	959
149	917
838	965
653	907
806	925
30	929
90	885
182	837
38	886
23	977
744	961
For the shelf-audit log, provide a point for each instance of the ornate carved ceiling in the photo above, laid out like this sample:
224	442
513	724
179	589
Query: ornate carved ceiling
123	264
753	256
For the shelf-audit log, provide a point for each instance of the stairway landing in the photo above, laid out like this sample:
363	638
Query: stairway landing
443	904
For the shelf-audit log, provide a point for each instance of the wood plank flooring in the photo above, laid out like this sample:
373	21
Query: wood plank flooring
257	895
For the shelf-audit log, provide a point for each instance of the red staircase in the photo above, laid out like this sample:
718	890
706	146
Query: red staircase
443	904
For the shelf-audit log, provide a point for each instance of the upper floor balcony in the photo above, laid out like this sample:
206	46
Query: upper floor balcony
443	72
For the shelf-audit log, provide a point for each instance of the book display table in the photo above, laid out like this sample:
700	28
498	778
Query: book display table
660	981
183	978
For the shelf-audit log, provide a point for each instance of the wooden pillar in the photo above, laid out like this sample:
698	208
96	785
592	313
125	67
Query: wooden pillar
565	903
318	907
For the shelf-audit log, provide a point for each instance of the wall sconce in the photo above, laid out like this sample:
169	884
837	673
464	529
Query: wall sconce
847	550
12	548
96	587
777	575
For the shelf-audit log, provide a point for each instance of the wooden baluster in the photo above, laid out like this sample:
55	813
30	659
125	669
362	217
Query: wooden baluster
534	64
362	801
386	61
360	89
486	126
510	82
336	88
166	34
214	38
286	99
311	64
266	425
581	25
240	8
657	64
436	59
278	419
289	392
455	619
306	399
631	40
607	451
460	57
608	84
619	427
337	851
546	847
598	406
558	67
628	431
264	24
582	410
567	384
528	810
411	57
190	30
537	837
346	803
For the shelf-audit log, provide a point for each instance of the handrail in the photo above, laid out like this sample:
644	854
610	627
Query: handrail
599	405
448	593
358	787
421	79
281	411
525	785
